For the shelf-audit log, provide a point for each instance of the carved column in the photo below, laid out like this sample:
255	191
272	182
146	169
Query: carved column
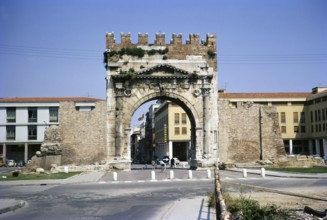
127	146
119	127
206	122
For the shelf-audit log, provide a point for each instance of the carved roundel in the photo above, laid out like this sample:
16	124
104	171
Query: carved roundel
197	92
127	92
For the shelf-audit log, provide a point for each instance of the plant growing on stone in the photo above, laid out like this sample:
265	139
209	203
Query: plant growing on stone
211	54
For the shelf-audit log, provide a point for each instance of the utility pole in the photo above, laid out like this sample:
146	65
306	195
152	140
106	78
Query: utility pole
260	133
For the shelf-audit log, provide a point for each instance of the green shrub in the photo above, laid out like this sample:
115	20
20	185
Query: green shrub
249	209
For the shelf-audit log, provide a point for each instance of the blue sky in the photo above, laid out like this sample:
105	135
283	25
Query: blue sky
54	47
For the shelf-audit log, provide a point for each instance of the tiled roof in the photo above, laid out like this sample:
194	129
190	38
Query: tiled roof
286	95
49	99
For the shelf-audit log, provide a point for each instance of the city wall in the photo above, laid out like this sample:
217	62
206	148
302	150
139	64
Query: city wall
83	134
244	137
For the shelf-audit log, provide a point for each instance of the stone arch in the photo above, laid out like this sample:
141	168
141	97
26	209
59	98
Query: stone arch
184	103
183	74
178	99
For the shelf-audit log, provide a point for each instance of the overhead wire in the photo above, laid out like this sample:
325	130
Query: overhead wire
87	54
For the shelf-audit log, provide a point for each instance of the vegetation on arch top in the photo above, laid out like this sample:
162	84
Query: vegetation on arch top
174	50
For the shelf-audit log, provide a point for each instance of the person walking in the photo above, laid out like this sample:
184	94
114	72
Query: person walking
162	165
153	164
172	163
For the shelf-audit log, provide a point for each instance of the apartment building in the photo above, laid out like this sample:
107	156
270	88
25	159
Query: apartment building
172	131
24	120
302	117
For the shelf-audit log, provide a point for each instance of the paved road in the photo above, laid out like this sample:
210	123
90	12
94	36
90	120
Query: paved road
134	195
148	200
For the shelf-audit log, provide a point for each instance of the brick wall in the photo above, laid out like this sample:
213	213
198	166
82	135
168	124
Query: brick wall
83	133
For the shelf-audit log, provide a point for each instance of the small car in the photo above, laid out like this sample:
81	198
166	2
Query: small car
2	164
10	163
177	161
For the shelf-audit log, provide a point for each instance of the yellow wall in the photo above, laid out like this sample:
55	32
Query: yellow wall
175	109
289	109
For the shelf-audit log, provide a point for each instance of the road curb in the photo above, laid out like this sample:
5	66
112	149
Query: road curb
20	204
284	175
155	181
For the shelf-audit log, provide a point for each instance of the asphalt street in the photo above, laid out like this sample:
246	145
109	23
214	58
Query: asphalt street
134	195
102	201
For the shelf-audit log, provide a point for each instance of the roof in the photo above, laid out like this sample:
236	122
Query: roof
282	95
48	99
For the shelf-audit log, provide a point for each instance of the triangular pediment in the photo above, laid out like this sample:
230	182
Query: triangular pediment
163	70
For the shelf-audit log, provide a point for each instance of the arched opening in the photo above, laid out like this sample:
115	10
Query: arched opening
161	115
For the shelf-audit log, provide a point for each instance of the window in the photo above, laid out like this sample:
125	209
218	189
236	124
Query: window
184	118
296	129
323	127
311	114
295	117
184	130
11	132
32	114
176	130
312	129
316	115
53	114
323	114
32	132
319	115
302	129
283	129
282	117
11	114
176	118
302	119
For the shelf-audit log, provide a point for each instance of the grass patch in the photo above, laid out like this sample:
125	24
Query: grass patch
301	170
36	176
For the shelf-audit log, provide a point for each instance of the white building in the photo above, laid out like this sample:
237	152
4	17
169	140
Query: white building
23	122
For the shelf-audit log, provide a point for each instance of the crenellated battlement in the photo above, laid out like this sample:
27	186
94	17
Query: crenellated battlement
160	49
160	40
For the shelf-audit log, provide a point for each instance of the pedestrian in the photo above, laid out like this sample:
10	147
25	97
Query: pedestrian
153	164
172	163
162	165
325	159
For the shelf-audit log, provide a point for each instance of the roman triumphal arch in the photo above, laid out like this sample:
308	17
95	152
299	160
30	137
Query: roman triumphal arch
185	73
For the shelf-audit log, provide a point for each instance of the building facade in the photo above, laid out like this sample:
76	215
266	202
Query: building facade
302	117
172	131
23	122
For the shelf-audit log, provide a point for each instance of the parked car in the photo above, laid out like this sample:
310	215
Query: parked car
2	164
10	163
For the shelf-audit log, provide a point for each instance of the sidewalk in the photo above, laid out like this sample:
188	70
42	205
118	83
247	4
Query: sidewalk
86	177
282	174
189	208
